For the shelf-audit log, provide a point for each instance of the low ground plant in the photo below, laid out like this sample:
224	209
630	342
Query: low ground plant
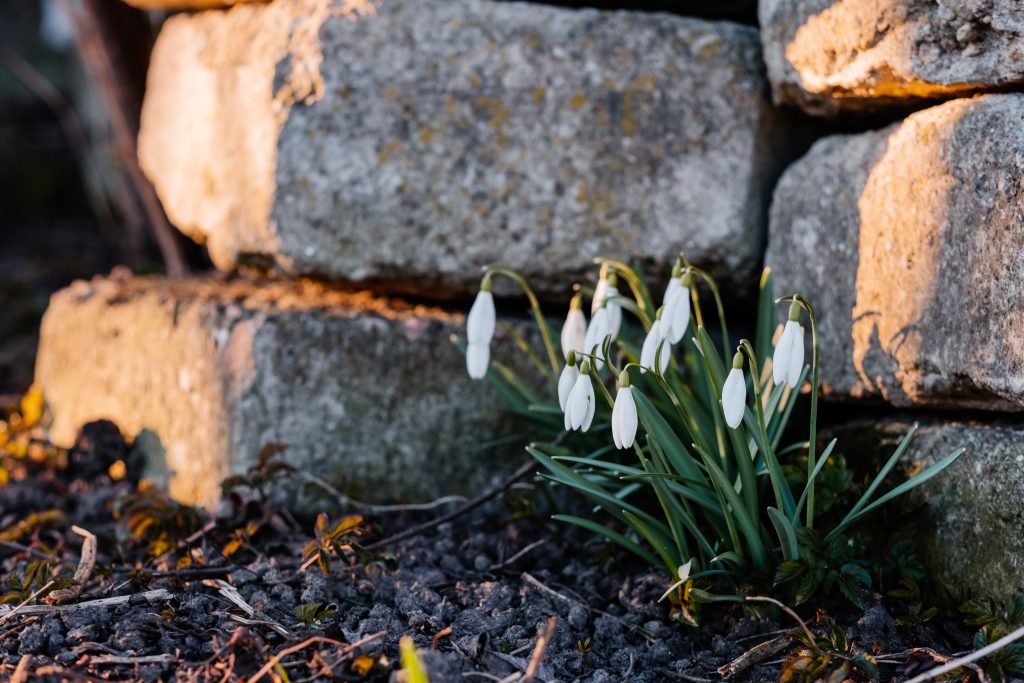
679	437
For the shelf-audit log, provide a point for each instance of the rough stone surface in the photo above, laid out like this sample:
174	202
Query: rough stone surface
966	521
185	4
908	242
408	142
829	56
369	394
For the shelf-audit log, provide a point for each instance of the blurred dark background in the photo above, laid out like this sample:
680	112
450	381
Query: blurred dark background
72	201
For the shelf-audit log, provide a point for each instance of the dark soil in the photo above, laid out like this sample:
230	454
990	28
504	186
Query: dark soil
471	594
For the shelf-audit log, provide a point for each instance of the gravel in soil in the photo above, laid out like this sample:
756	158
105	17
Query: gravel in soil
471	594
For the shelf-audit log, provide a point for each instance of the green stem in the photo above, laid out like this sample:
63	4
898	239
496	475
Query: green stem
726	345
538	314
778	479
813	439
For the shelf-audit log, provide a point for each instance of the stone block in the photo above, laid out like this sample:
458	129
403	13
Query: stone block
367	393
406	143
908	242
835	56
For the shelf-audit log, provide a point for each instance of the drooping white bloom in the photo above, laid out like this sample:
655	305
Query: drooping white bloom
624	417
677	312
649	351
788	360
574	330
481	318
672	288
479	331
581	404
604	293
566	381
614	309
599	291
478	356
734	394
684	575
597	332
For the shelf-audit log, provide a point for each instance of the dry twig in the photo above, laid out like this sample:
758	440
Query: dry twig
232	594
86	563
543	638
158	595
967	660
23	607
494	492
144	659
755	655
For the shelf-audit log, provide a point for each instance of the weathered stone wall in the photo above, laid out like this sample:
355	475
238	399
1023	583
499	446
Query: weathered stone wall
408	143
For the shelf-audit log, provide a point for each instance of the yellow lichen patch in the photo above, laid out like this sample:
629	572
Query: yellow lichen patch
628	124
578	101
539	93
387	151
497	110
427	134
644	82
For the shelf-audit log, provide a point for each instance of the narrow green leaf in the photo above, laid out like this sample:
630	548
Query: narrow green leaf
786	533
898	491
613	536
884	472
817	468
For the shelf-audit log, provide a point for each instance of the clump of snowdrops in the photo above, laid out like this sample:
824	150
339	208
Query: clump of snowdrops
676	437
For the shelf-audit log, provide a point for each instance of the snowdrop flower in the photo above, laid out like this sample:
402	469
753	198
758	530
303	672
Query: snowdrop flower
607	289
624	418
673	283
579	411
677	308
734	393
480	330
656	337
684	575
788	360
574	330
597	332
567	380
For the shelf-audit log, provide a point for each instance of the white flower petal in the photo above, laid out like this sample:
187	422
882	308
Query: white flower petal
796	357
650	346
624	418
481	319
673	286
665	357
578	401
679	315
478	356
599	292
588	418
566	381
614	313
616	409
783	352
734	397
597	332
574	331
